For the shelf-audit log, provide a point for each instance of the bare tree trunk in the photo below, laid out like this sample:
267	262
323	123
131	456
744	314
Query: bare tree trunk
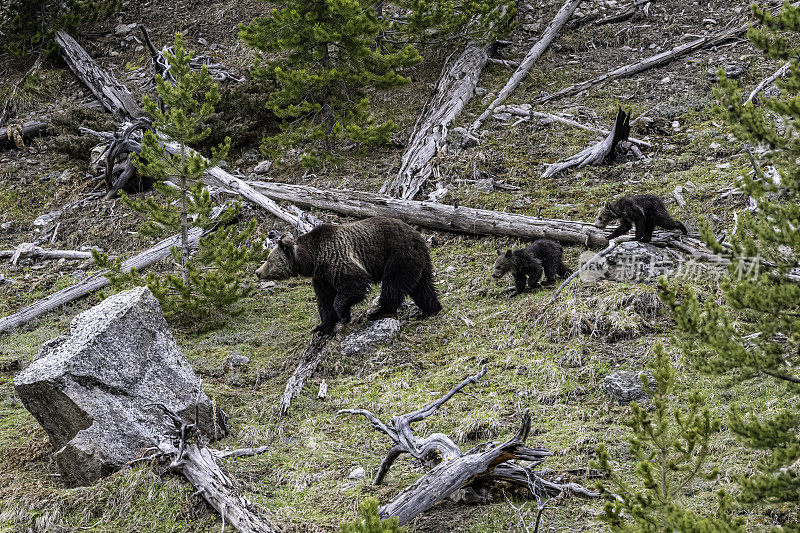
435	215
535	53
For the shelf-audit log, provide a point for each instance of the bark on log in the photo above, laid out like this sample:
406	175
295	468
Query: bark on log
455	88
525	65
597	153
435	215
653	61
114	96
98	281
16	133
309	361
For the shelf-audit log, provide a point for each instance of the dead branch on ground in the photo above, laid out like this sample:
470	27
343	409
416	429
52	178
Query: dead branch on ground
309	361
767	81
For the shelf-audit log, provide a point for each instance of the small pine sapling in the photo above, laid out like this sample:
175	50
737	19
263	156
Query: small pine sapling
369	521
670	445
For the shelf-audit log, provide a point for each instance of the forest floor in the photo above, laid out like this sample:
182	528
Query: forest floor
549	361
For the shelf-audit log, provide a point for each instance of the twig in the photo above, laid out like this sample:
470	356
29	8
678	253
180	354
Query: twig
766	81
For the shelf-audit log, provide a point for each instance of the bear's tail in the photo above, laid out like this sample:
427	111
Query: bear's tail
424	294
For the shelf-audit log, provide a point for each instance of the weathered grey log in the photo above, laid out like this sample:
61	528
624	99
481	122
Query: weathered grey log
114	96
533	54
27	249
309	361
16	133
450	469
766	81
435	215
92	390
653	61
98	281
455	88
597	153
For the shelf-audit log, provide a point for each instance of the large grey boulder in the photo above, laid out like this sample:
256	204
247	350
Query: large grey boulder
632	261
369	339
91	389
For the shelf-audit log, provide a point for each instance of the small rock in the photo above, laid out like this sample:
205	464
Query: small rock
676	125
7	225
323	390
502	117
202	42
263	167
666	80
374	335
732	70
63	177
626	386
121	29
450	269
235	361
531	28
46	219
480	91
460	138
357	473
485	184
222	164
715	146
723	165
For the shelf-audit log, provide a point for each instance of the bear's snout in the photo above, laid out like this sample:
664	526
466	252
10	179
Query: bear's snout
497	274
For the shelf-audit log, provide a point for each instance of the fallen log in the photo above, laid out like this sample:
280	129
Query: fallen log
309	361
449	468
455	88
114	96
766	81
28	249
435	215
597	153
525	65
16	133
98	281
653	61
198	464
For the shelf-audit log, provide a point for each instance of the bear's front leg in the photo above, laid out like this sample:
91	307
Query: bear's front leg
326	295
520	280
350	291
623	228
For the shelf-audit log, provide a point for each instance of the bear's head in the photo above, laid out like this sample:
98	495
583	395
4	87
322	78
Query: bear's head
605	216
281	262
503	264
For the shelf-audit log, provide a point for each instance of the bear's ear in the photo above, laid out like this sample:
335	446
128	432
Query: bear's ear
509	252
608	206
286	242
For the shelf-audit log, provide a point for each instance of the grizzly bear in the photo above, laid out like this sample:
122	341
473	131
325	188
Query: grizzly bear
645	211
343	260
540	255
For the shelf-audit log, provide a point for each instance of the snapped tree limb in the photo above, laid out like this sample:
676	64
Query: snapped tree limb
309	361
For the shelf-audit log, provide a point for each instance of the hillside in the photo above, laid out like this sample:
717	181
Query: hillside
548	360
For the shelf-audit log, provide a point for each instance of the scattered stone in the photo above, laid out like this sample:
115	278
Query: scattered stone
46	219
732	71
357	473
676	125
323	390
626	386
460	138
480	91
202	42
235	361
92	389
63	177
715	146
532	27
6	225
631	261
96	158
374	335
263	167
485	184
666	80
121	29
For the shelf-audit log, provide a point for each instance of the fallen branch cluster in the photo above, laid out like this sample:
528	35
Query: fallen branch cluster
450	469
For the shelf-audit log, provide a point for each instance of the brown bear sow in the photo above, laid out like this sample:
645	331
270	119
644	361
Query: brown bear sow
644	211
343	260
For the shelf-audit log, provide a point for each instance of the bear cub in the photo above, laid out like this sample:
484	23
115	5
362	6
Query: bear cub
344	260
527	265
644	211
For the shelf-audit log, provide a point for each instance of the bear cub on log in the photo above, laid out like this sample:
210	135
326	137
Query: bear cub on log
343	260
540	255
645	211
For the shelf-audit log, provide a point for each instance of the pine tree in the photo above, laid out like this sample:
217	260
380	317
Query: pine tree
327	58
369	521
670	445
28	26
207	286
757	330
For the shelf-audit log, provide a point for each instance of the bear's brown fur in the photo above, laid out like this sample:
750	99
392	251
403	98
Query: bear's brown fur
644	211
343	260
527	264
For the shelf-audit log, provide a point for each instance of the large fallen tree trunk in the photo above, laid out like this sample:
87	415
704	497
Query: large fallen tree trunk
525	65
114	96
450	468
653	61
455	88
16	133
435	215
98	281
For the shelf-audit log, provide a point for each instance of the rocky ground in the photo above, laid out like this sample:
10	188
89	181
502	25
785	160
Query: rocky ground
552	361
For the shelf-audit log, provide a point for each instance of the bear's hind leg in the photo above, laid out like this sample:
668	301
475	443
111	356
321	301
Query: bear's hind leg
396	281
424	295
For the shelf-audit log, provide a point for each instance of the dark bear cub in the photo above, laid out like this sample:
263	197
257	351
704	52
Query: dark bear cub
343	260
644	211
527	265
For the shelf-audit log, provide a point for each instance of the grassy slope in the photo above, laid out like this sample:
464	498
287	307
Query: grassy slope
539	359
